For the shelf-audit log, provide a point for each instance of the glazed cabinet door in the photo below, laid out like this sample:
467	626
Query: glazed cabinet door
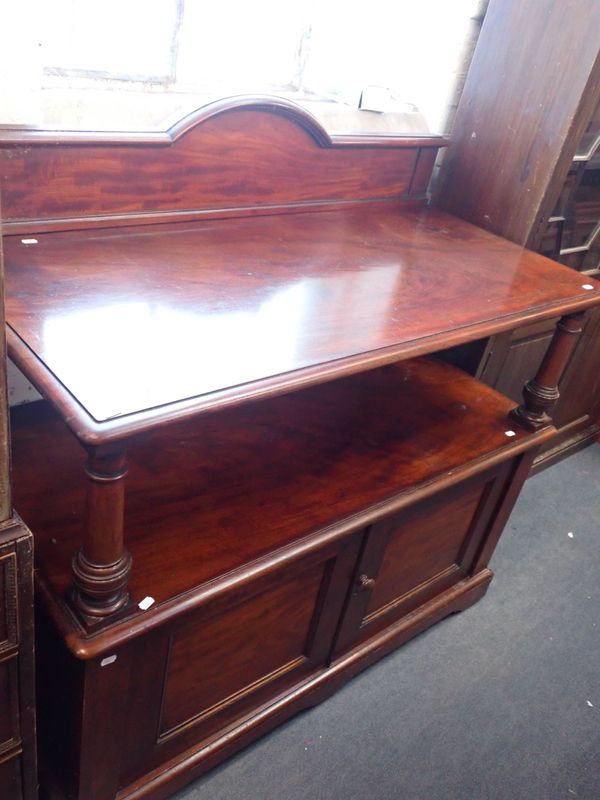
220	663
416	554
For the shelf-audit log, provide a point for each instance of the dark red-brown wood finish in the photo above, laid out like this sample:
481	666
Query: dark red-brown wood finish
541	393
262	520
18	770
530	94
18	747
107	322
283	466
333	504
521	115
236	156
143	324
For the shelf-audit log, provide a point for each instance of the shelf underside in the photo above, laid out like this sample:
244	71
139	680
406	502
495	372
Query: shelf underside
211	495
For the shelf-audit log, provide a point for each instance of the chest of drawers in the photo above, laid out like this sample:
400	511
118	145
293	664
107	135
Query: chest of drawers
18	777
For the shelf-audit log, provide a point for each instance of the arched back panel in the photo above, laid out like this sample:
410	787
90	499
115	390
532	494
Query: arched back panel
243	155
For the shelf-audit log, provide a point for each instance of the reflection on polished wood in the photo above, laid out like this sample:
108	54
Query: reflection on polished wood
302	451
135	319
301	532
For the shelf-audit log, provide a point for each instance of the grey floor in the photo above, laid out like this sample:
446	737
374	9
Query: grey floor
501	701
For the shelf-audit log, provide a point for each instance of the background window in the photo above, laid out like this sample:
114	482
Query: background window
130	64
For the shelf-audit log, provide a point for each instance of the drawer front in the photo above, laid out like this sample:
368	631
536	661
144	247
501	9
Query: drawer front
8	602
419	552
9	705
10	778
222	662
18	771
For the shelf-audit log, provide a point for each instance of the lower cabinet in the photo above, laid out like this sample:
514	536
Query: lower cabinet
287	546
142	717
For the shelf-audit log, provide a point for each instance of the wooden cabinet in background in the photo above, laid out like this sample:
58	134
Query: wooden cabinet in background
574	229
522	126
573	238
512	357
18	746
18	778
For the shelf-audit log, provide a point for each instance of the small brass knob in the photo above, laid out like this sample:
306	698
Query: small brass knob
365	583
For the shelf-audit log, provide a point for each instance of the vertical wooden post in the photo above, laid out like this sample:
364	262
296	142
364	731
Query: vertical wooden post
102	566
541	393
18	696
5	498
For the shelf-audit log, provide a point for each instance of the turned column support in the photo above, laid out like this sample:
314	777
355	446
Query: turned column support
541	393
102	566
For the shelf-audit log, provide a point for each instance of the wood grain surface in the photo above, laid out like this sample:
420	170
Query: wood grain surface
531	89
241	153
232	487
130	322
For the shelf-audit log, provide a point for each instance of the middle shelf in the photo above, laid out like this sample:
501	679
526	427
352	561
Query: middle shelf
205	497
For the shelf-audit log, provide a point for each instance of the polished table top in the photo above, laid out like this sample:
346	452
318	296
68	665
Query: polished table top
126	322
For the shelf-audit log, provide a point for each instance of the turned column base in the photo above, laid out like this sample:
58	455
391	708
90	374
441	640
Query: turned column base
541	393
533	413
100	591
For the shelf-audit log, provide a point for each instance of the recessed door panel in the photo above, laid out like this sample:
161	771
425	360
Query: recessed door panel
423	544
222	662
414	555
9	709
8	602
214	664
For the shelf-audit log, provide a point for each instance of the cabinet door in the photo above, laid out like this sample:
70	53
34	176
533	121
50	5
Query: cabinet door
419	552
215	666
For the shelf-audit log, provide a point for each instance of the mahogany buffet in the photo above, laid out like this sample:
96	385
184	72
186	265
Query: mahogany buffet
251	477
